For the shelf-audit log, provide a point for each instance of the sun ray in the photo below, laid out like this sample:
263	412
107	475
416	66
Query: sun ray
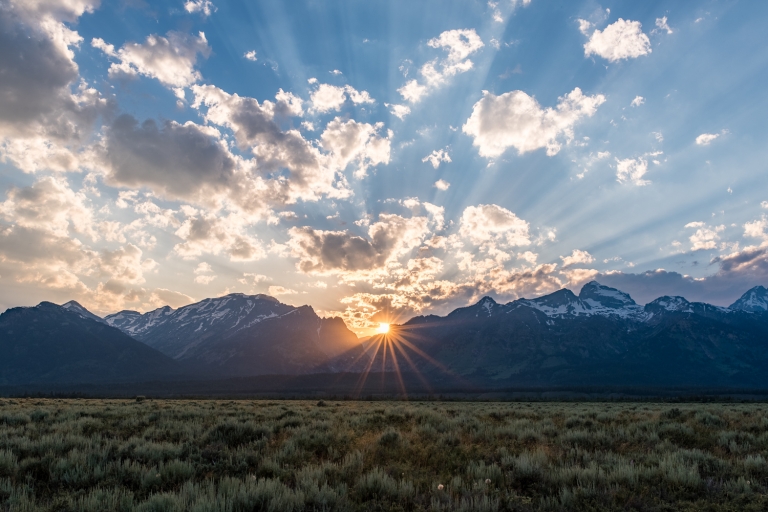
397	368
364	377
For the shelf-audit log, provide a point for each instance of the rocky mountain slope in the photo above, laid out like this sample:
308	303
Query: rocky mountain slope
596	338
599	337
241	335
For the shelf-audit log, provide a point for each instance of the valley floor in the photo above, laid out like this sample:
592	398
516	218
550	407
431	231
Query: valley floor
209	455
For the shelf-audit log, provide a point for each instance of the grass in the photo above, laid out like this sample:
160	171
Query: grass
165	455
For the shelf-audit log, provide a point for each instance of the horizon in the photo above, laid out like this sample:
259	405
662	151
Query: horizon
381	160
396	320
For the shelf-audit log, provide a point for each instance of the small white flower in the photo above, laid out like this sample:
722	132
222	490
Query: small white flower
440	487
487	481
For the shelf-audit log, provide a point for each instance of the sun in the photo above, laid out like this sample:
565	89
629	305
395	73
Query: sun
383	328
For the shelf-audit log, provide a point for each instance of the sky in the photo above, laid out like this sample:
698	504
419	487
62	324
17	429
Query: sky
381	159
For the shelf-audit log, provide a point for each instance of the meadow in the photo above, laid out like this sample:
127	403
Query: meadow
245	455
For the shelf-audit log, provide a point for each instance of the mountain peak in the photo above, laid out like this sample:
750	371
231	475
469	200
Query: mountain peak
754	300
595	294
668	303
76	307
486	304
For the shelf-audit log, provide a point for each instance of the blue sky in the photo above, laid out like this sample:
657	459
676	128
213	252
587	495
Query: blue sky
379	160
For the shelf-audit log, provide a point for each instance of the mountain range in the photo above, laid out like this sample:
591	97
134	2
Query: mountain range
599	338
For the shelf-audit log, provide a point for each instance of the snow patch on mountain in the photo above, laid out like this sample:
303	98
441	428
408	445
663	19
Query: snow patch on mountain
754	301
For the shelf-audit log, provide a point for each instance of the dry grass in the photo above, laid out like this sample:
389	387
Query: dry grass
165	455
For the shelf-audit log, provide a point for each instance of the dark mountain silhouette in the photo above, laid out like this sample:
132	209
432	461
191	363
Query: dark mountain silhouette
599	337
241	335
50	343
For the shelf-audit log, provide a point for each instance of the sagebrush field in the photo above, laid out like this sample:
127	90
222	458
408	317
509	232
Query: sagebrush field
165	455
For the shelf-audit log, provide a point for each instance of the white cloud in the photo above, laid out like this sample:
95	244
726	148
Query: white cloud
310	174
250	55
399	111
661	24
515	119
490	223
632	170
413	91
350	141
705	237
619	40
764	204
208	233
705	138
460	44
639	100
252	279
51	206
584	26
577	257
757	228
204	7
442	185
125	265
280	290
170	59
203	268
436	157
46	109
578	276
330	97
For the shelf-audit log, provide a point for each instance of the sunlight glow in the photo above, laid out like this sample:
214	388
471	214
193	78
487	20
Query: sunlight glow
383	328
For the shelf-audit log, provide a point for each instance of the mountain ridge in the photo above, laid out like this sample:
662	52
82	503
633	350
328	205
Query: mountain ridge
599	337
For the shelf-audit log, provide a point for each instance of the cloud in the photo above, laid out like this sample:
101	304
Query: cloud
442	185
515	119
50	205
279	290
436	157
490	223
204	7
706	138
180	161
579	276
170	59
46	111
757	228
577	257
163	296
203	273
460	45
412	91
661	24
619	40
399	111
639	100
330	97
250	55
341	252
632	170
350	141
309	173
705	237
208	233
124	265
